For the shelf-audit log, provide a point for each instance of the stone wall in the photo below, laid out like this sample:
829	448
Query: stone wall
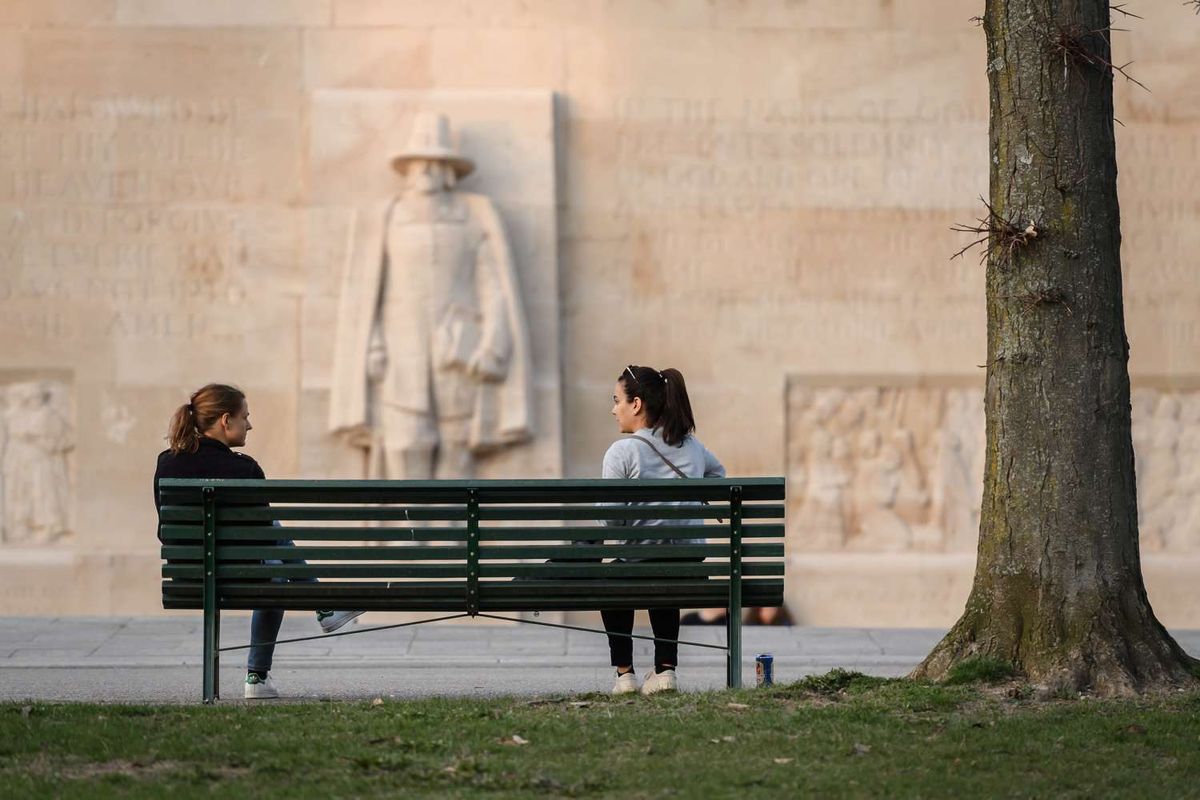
759	193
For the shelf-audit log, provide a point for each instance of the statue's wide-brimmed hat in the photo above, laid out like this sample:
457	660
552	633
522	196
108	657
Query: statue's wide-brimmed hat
430	141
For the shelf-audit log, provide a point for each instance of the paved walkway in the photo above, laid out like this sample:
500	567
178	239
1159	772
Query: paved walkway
157	659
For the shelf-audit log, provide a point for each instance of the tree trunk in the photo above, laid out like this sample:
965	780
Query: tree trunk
1058	588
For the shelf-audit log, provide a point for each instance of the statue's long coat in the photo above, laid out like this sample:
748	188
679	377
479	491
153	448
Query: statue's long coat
503	409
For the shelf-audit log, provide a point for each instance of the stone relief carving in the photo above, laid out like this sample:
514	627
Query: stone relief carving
892	469
883	469
117	420
432	358
37	437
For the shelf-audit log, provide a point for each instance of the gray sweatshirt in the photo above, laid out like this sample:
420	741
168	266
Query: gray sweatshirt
629	458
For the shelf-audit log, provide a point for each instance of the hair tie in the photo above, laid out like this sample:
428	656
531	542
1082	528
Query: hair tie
664	377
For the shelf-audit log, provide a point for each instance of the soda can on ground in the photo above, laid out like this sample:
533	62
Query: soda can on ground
764	669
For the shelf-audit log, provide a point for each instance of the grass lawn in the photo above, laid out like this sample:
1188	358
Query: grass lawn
839	734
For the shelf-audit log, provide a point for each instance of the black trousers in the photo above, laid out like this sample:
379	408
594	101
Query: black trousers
664	622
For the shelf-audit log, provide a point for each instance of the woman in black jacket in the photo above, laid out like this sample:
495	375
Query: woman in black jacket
202	434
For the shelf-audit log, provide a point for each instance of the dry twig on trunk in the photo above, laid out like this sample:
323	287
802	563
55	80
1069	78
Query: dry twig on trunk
997	232
1074	43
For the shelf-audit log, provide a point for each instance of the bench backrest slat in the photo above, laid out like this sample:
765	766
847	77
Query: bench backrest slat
177	491
232	533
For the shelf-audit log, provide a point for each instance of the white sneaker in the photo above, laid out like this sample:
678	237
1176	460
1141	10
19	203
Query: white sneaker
626	683
260	688
664	681
332	620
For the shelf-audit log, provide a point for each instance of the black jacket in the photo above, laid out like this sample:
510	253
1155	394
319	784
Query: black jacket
212	459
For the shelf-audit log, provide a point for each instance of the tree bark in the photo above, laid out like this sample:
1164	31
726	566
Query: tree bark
1058	588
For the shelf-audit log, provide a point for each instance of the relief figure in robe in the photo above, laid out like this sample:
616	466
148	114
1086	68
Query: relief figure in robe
36	492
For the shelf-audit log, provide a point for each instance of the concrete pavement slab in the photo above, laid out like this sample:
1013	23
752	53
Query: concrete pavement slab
157	659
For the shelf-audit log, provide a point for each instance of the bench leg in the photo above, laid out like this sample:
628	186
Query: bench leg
212	654
733	640
733	631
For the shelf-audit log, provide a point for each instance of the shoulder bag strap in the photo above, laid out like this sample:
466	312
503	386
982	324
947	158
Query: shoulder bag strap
658	453
666	461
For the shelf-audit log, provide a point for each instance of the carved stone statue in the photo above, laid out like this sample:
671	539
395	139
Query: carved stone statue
432	358
36	493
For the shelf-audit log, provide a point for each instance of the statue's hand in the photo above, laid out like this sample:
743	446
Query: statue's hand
360	436
376	364
485	366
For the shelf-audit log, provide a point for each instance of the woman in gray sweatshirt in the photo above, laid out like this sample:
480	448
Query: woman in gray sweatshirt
652	406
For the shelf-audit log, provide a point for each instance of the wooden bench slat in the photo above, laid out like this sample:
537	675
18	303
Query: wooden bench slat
458	514
187	491
267	571
714	511
641	551
550	533
352	534
647	570
244	553
180	532
495	596
186	533
344	513
180	514
457	587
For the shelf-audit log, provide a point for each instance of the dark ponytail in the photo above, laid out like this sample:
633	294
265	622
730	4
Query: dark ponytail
665	397
205	409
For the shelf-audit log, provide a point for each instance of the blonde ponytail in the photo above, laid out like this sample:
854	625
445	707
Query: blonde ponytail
182	435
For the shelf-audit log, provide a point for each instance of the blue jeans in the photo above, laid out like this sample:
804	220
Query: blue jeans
265	623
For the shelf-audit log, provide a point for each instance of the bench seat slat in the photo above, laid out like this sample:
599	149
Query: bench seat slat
495	596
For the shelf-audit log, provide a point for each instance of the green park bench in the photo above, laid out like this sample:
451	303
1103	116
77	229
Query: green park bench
474	548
